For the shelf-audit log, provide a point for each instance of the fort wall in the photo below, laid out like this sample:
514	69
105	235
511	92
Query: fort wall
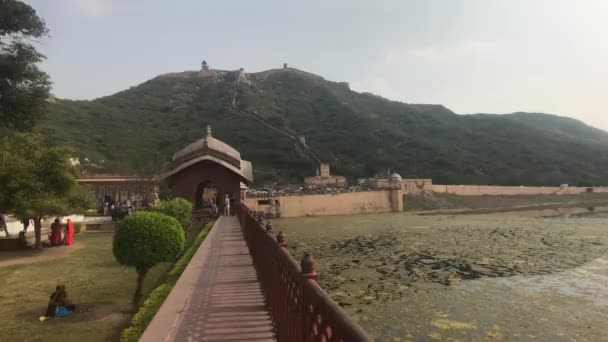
480	190
386	200
351	203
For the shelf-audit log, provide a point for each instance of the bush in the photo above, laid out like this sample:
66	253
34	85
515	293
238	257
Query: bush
155	300
77	227
179	208
145	239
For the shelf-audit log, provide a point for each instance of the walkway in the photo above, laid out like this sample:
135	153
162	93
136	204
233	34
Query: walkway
218	297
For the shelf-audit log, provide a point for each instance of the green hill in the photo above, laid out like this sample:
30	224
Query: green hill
358	133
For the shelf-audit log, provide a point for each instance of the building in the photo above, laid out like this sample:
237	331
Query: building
114	188
324	177
206	169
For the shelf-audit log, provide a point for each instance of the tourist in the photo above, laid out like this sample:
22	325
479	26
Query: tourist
55	233
22	241
113	212
122	210
26	224
3	225
130	208
69	234
227	205
59	304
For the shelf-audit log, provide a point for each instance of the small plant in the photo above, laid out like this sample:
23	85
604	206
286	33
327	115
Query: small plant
145	239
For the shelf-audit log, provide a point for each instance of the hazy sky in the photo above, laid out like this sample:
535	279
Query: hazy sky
471	55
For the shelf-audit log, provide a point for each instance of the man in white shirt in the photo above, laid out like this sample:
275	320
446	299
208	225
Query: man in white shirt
227	205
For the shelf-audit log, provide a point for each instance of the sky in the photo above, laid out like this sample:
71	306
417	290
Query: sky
473	56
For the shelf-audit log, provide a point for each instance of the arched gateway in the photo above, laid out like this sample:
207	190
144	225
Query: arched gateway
208	163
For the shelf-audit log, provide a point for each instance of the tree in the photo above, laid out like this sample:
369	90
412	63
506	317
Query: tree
24	89
178	208
145	239
38	181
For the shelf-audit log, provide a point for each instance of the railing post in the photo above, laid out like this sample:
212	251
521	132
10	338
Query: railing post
281	240
307	272
308	266
268	227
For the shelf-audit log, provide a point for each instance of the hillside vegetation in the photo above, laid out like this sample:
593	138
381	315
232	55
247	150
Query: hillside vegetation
358	133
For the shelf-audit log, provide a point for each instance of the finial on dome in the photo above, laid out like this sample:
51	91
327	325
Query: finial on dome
208	134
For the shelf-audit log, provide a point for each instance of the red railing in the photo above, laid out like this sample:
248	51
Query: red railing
301	310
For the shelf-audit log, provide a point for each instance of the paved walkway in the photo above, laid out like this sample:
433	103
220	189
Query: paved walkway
218	297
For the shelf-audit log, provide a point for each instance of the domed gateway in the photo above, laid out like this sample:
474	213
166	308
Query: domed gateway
207	170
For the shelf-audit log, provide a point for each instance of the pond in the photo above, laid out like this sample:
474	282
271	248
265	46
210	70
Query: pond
496	276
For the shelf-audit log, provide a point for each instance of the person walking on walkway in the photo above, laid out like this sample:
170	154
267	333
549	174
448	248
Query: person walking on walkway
227	205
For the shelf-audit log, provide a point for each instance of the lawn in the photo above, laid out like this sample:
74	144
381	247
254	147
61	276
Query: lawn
101	288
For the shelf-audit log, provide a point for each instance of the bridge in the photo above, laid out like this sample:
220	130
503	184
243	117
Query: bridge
242	284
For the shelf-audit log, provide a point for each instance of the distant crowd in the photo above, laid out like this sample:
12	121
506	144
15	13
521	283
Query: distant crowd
303	190
118	210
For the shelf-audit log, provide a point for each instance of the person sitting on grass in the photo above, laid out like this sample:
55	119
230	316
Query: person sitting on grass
59	304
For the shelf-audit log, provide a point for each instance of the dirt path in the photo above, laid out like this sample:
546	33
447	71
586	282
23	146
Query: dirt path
31	256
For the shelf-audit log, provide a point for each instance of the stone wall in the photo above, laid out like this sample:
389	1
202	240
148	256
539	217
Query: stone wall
409	185
351	203
479	190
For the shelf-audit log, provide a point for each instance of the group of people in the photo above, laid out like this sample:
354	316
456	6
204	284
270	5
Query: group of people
212	203
59	304
55	237
118	211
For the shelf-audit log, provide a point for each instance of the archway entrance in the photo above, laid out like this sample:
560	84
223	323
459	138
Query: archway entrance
208	198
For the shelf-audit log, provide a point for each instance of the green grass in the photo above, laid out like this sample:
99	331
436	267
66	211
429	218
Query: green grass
101	288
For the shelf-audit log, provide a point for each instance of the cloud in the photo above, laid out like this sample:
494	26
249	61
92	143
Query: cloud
92	8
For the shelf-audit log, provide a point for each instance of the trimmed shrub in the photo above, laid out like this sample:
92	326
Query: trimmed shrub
145	239
155	300
179	208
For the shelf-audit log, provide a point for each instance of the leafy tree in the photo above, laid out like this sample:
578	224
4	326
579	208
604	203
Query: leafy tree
145	239
178	208
38	181
24	89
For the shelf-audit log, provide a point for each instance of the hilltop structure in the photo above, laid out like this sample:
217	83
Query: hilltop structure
205	71
324	177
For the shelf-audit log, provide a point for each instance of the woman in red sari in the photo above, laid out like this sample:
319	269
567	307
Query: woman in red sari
69	233
56	233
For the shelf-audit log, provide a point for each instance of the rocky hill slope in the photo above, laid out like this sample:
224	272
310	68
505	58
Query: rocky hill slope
264	115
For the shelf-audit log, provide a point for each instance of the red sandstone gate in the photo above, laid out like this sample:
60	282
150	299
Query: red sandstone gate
208	161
